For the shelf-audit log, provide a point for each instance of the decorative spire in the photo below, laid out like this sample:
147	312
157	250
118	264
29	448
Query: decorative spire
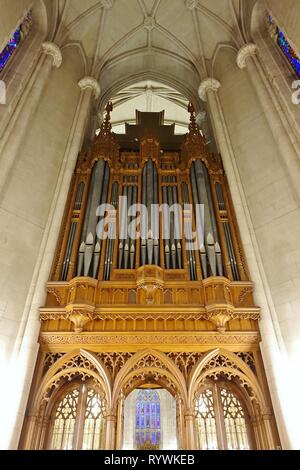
106	127
193	127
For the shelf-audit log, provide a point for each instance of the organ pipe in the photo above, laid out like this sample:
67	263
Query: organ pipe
210	251
70	243
111	236
90	248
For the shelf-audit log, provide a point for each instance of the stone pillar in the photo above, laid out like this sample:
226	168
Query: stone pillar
272	347
247	59
110	438
12	138
267	417
190	430
26	346
120	424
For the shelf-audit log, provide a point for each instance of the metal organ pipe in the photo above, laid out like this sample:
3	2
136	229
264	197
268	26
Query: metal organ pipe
227	232
150	190
77	208
131	234
90	248
210	251
166	240
111	236
177	223
190	253
150	242
143	221
156	219
208	231
97	253
123	224
127	243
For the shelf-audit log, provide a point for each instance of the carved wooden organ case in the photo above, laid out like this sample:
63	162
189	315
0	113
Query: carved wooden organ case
153	282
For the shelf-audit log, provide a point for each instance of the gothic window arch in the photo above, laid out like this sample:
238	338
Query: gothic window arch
283	44
15	40
148	420
77	419
222	419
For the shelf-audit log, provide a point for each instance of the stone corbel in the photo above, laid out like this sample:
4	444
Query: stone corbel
90	83
51	49
248	50
206	85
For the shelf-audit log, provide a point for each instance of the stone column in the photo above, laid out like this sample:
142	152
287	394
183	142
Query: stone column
13	135
110	438
26	346
272	346
247	59
267	417
190	430
120	423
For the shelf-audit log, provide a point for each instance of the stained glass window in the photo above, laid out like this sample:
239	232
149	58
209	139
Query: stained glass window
221	420
148	420
206	420
93	424
78	421
64	424
18	36
235	424
282	41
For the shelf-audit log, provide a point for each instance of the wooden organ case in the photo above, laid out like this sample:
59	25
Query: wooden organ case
152	310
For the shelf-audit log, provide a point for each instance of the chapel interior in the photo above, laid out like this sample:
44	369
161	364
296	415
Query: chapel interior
179	121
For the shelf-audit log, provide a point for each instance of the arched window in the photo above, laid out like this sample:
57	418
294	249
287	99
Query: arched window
18	36
222	421
278	36
148	421
77	420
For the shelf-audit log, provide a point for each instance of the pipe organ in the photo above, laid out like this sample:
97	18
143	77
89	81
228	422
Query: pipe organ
154	180
149	284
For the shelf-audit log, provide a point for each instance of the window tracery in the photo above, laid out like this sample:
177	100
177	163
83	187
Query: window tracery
221	420
78	420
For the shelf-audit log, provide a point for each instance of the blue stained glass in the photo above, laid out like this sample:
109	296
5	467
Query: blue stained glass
147	419
20	34
278	36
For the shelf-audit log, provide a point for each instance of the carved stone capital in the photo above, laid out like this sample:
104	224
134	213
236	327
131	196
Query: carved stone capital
90	83
206	85
248	50
49	48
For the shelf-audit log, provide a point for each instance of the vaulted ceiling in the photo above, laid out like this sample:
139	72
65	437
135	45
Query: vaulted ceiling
128	42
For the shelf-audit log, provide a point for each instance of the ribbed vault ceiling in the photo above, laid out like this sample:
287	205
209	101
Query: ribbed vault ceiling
126	43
